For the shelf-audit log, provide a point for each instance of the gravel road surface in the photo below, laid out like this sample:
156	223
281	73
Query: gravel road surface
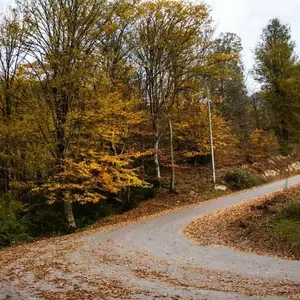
150	259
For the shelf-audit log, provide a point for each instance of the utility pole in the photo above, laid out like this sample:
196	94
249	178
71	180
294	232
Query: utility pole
211	141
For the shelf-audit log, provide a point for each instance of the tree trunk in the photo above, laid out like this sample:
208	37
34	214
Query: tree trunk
256	115
284	134
69	214
62	109
6	177
172	179
6	169
156	149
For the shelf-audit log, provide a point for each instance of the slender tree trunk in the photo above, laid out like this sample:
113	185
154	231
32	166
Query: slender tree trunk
7	116
6	178
156	149
172	179
128	196
62	150
4	182
69	213
256	116
113	145
68	210
284	134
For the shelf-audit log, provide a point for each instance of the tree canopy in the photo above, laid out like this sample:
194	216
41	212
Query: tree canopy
99	99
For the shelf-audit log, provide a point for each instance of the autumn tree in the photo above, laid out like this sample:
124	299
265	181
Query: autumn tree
61	37
262	144
192	130
80	82
11	57
170	37
115	45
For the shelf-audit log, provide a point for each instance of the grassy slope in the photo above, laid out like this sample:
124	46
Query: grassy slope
267	226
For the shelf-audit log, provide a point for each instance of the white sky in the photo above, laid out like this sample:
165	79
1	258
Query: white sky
4	4
247	18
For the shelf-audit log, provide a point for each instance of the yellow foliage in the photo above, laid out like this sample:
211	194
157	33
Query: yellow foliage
114	118
262	144
94	178
193	129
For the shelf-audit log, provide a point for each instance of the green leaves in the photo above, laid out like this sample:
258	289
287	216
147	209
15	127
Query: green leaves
275	65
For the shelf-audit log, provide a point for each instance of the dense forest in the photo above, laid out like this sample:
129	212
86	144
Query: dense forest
99	100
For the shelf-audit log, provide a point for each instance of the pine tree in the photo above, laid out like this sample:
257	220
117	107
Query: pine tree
275	60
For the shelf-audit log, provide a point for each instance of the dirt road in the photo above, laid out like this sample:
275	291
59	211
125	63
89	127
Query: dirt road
148	260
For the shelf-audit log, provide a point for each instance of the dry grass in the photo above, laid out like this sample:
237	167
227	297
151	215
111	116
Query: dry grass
252	226
224	282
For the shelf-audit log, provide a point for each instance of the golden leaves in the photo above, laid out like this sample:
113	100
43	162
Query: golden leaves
193	128
95	178
262	143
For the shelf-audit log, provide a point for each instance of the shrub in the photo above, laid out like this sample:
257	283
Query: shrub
239	179
137	194
292	210
286	150
13	228
47	220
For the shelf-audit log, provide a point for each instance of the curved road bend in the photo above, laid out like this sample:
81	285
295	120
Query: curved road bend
156	258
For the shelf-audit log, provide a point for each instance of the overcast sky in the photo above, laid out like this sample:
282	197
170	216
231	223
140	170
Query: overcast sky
247	18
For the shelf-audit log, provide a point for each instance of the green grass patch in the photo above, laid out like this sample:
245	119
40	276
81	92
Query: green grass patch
283	222
288	231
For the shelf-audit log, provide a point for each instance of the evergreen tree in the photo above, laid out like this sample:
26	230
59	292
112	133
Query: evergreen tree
275	61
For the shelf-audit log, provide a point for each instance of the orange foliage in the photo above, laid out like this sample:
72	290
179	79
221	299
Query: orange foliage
193	129
262	144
